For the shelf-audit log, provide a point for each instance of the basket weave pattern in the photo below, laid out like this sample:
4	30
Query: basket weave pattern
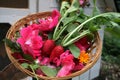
94	51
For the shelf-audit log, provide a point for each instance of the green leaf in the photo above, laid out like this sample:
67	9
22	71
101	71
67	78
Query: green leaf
113	31
60	31
111	15
35	66
95	9
94	2
114	24
72	26
82	17
80	20
117	20
64	6
74	6
27	57
67	41
17	34
94	28
65	22
72	9
69	19
15	47
50	35
34	72
8	42
25	65
74	50
49	71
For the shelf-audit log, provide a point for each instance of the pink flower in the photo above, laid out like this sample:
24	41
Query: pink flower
45	61
30	41
39	72
81	2
65	70
67	63
83	44
56	61
55	17
66	58
50	22
78	66
34	27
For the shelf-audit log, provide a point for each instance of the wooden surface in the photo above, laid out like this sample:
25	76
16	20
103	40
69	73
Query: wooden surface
11	73
7	69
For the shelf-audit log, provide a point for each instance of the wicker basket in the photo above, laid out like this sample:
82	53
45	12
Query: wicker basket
94	51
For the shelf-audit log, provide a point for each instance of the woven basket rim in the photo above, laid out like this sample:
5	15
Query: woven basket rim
32	17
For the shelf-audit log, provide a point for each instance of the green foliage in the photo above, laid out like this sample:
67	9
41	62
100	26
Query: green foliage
31	66
15	47
95	9
75	50
111	49
74	6
71	27
64	6
25	65
27	57
45	69
71	10
69	19
69	39
86	24
49	71
35	66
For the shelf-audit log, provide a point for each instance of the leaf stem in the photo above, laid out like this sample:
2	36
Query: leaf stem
69	35
57	27
84	33
34	72
55	34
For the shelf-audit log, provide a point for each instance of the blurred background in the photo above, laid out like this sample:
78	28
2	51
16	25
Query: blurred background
107	67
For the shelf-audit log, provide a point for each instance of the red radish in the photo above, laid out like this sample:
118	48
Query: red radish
56	52
48	47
